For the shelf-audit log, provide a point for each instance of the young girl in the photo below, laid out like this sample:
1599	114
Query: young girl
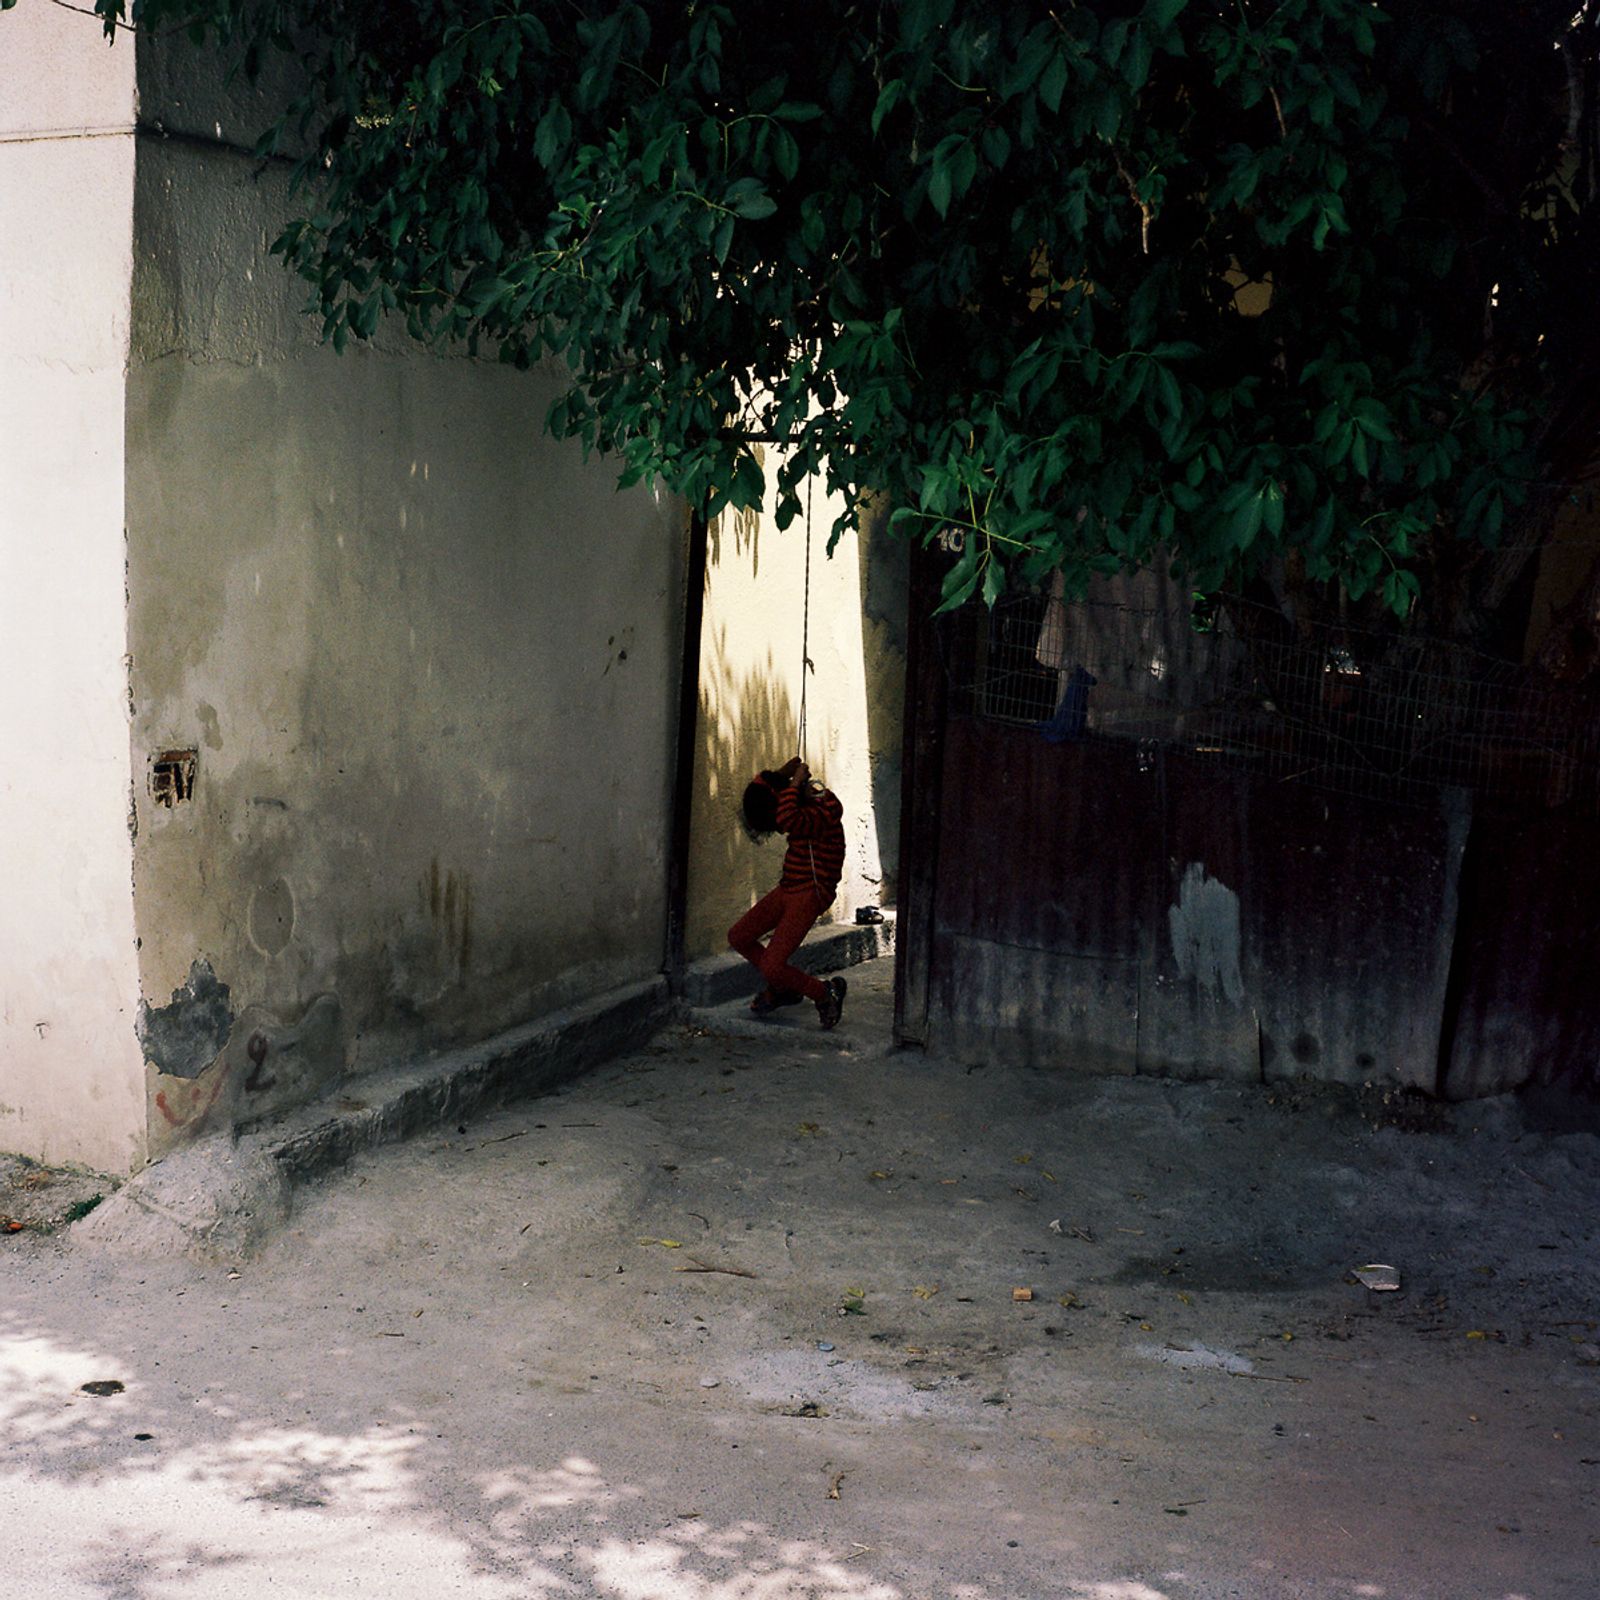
811	818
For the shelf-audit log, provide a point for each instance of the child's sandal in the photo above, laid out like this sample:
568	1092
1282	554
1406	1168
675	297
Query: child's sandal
831	1006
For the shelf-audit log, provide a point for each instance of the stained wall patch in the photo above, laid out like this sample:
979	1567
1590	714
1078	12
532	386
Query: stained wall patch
183	1037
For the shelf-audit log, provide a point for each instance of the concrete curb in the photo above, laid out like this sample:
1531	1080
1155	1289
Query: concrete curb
220	1197
719	979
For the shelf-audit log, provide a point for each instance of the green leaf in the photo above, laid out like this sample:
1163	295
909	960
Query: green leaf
1171	395
786	154
813	228
1322	525
960	580
655	154
1136	61
753	207
1161	14
552	134
1244	520
1053	83
963	167
888	98
1272	509
1373	420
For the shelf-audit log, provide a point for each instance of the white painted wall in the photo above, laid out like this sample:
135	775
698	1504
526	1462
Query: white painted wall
71	1081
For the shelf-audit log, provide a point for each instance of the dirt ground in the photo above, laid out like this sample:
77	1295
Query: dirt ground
759	1314
42	1199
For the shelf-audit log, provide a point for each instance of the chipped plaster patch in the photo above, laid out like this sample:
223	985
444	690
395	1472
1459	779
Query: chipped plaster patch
185	1036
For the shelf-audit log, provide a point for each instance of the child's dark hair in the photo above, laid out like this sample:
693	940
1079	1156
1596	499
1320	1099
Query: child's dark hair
759	808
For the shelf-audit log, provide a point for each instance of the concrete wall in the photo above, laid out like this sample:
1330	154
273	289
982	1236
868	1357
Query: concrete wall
70	1067
750	690
424	659
401	672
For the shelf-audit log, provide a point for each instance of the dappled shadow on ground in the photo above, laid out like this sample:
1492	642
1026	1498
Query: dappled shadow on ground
156	1493
600	1346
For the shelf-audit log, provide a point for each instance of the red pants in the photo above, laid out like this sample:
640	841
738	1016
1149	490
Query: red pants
787	914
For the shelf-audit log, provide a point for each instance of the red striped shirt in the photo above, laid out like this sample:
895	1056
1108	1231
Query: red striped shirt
814	826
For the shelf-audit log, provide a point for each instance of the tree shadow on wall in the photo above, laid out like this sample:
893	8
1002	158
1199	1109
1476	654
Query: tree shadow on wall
739	529
747	721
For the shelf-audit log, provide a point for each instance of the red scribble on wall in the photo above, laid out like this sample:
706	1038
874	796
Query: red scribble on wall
199	1100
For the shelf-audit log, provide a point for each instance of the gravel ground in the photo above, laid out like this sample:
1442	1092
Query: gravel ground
759	1313
38	1199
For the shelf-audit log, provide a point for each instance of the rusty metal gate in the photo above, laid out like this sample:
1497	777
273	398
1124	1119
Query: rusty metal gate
1155	905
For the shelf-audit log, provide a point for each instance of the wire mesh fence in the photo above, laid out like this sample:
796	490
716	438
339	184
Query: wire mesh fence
1383	715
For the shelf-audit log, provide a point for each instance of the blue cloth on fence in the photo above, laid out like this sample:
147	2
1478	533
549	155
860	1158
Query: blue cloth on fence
1068	719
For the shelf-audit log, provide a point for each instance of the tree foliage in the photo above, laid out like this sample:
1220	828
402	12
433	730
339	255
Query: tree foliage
1287	290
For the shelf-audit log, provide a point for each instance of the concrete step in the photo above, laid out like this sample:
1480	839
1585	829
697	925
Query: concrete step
830	947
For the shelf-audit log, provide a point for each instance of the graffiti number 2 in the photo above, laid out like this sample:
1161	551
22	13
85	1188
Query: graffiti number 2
256	1083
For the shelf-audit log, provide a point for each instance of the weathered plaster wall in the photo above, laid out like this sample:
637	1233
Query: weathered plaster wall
70	1068
750	690
425	659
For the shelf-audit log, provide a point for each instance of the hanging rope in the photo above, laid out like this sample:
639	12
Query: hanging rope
805	630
